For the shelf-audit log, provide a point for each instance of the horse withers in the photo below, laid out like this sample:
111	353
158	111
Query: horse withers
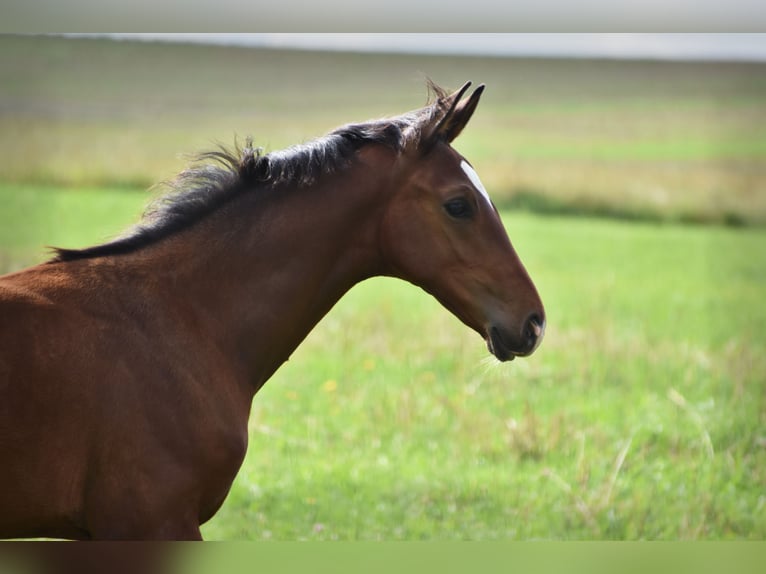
127	370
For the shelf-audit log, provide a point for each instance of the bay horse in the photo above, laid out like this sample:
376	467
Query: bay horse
128	369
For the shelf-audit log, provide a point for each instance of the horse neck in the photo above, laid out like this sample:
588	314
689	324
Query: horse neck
261	272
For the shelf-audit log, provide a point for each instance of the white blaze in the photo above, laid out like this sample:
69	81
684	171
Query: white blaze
474	177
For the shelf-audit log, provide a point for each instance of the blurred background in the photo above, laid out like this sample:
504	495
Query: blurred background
630	170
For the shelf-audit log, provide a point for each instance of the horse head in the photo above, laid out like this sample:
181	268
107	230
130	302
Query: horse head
442	232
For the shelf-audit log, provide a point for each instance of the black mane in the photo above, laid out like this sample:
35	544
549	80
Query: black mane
217	177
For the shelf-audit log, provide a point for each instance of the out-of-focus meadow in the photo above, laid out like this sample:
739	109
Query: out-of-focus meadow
635	193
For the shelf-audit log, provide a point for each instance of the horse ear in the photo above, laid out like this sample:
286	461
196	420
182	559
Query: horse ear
457	115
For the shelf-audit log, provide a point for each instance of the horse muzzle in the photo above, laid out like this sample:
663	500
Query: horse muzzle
506	346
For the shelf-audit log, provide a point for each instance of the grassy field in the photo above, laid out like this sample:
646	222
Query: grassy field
643	414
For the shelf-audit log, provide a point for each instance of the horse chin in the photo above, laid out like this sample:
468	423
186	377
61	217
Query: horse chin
497	346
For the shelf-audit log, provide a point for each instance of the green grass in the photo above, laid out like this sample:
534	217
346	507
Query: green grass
35	218
642	415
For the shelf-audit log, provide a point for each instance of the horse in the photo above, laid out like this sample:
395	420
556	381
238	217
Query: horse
128	369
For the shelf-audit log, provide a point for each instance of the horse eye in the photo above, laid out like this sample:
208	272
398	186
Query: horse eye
459	208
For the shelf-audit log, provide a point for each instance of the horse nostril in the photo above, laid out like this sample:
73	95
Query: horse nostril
533	329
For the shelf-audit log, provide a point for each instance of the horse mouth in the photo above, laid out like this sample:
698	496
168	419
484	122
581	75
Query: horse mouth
498	347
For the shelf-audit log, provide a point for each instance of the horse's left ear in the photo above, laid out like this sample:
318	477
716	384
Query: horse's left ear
458	113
